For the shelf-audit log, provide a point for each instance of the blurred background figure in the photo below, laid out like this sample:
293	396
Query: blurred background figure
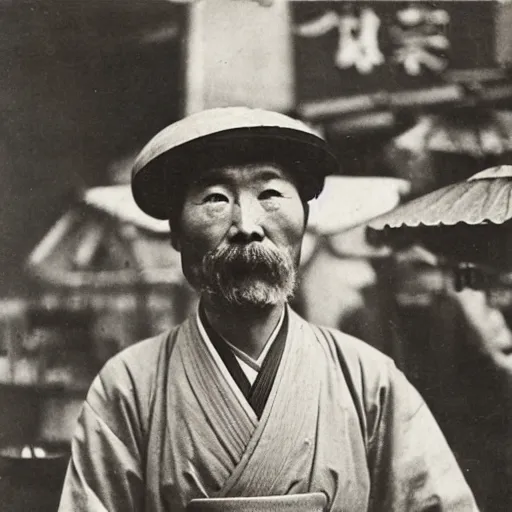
462	361
341	271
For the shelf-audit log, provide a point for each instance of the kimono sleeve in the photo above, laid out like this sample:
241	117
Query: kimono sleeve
104	473
411	464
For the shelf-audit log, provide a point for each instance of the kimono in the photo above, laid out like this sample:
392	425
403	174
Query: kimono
162	426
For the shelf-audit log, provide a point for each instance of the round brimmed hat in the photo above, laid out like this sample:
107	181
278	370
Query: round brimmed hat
227	136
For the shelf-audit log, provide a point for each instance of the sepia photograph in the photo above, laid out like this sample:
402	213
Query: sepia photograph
255	256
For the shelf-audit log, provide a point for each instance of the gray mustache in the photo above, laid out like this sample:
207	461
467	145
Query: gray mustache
248	275
249	259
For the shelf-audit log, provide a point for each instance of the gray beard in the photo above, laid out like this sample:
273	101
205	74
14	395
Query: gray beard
247	276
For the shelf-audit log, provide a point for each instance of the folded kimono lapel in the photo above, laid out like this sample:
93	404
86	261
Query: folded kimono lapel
214	444
227	410
207	427
277	459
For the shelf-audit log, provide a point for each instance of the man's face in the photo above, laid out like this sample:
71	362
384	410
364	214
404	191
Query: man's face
240	235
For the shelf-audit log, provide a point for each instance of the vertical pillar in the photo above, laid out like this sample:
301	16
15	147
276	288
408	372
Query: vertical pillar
239	53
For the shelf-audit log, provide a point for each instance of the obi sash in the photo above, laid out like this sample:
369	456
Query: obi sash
310	502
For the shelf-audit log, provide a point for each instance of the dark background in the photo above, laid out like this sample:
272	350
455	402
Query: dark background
82	85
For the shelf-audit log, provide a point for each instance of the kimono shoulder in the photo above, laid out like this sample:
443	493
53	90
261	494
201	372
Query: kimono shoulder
379	390
410	463
123	391
106	470
371	375
356	352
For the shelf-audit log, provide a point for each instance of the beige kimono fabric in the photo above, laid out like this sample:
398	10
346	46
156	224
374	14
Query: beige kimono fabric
162	425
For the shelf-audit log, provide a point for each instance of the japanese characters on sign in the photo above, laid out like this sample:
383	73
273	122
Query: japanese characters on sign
417	35
356	49
420	38
358	43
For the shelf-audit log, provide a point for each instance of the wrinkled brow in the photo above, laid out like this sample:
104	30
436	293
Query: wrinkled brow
225	176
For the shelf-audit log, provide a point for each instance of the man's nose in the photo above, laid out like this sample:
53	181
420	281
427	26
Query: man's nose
247	217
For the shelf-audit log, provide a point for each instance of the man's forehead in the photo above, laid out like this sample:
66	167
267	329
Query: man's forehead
243	173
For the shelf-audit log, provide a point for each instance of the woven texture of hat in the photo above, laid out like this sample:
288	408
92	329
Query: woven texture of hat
212	121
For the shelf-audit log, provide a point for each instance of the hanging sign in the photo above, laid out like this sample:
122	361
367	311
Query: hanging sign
365	50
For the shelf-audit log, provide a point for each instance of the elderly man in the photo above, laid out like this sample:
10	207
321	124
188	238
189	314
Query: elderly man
246	406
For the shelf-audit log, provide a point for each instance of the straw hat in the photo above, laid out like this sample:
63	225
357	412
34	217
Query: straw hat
227	136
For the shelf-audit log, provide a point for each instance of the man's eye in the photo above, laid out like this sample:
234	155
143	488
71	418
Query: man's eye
215	198
269	194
